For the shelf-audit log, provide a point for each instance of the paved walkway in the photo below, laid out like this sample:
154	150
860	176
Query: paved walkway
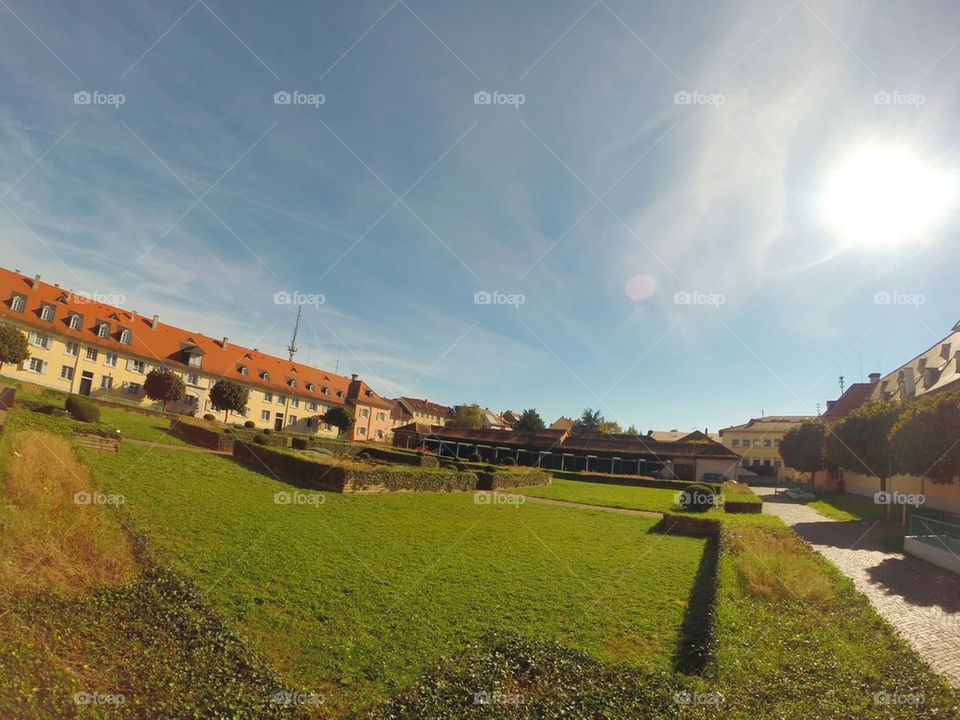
919	599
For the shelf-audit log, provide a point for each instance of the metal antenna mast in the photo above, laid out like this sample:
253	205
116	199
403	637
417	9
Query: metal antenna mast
293	341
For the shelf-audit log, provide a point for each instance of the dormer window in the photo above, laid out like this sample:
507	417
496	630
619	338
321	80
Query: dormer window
339	393
103	330
17	303
292	383
309	387
46	313
195	360
265	376
242	369
369	393
126	336
75	322
325	391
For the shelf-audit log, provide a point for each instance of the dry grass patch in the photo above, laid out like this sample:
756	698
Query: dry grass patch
780	566
49	540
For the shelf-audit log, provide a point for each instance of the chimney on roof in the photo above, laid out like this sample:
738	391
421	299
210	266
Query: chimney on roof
155	322
354	376
874	378
831	404
35	283
225	341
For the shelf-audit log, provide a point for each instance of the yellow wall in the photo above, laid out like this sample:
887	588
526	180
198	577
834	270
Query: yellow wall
766	455
938	497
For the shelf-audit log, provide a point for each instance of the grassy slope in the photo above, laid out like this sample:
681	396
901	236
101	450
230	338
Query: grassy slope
359	595
622	496
850	507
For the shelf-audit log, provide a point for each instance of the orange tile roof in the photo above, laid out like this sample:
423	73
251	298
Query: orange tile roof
164	344
426	407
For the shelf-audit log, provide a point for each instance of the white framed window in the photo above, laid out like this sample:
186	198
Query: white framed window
363	431
295	402
767	443
66	373
36	365
268	397
313	406
110	359
364	413
38	340
92	354
132	388
76	322
126	337
194	361
103	330
379	434
735	442
281	399
381	416
16	303
193	379
756	443
293	419
138	366
242	369
46	313
265	415
72	348
106	382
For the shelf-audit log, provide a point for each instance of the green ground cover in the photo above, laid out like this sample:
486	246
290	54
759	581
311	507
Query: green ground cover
357	596
620	496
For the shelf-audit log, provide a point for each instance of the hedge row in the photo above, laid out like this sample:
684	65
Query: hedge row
513	479
350	476
630	480
739	499
426	460
207	436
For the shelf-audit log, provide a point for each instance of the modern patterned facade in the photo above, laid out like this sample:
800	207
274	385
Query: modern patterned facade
90	348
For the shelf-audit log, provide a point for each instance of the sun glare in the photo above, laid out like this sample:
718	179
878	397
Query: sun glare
887	195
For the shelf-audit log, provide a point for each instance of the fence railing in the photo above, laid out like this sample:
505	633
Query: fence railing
938	533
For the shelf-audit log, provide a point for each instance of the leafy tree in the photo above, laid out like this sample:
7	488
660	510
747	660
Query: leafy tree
164	386
468	417
803	447
860	442
610	427
529	420
341	418
590	421
632	430
926	438
228	396
13	346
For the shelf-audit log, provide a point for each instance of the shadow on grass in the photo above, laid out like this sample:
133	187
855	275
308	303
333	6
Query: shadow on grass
696	632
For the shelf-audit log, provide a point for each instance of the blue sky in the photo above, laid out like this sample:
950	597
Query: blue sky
663	153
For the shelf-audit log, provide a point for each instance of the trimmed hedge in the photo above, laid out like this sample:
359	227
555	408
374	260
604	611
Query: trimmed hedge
202	435
738	498
513	478
349	476
82	409
629	480
419	459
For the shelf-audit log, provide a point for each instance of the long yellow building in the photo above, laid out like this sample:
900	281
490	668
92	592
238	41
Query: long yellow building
81	346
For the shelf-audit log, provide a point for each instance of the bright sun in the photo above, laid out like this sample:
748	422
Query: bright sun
887	195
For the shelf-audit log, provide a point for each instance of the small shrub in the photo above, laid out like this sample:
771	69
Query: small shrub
697	498
475	457
268	431
249	424
209	417
509	461
82	410
299	443
228	431
260	439
364	455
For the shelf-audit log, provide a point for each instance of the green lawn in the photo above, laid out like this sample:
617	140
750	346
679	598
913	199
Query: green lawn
847	507
139	426
356	597
621	496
